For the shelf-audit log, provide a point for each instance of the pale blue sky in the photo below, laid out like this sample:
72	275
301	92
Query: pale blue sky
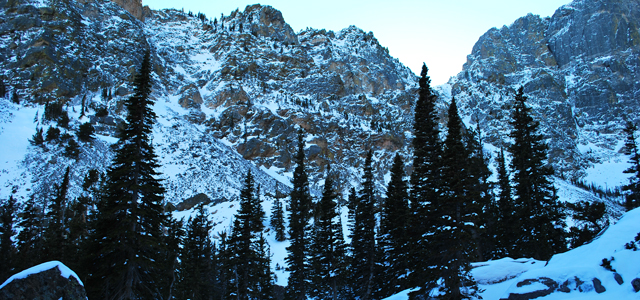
440	33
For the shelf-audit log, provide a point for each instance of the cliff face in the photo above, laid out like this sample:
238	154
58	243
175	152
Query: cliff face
231	95
579	68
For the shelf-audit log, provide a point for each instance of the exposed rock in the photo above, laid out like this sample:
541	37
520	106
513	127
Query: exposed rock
635	283
190	97
134	7
597	285
548	282
48	281
189	203
618	278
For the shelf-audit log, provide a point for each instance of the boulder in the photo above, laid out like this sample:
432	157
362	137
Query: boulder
51	280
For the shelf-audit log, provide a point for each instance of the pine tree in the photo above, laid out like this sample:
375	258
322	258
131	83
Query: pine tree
392	266
53	133
72	149
277	220
29	240
37	139
363	242
86	132
8	213
505	230
538	212
3	89
170	262
128	228
425	182
247	279
15	98
299	230
327	250
632	197
55	243
196	279
453	239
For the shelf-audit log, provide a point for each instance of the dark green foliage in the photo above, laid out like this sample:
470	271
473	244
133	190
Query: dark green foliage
453	241
8	214
277	220
392	266
101	111
54	111
197	269
170	262
55	232
632	196
425	181
72	150
15	98
3	89
327	250
250	276
589	218
29	240
537	210
363	241
505	231
37	139
86	132
127	235
299	230
53	133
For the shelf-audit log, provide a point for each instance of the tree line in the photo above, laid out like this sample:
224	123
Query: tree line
423	233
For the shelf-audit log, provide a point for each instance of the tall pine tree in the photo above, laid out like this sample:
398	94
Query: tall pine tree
425	182
505	231
29	240
392	265
363	241
327	251
248	278
299	230
632	198
55	243
129	225
8	212
277	220
196	279
537	209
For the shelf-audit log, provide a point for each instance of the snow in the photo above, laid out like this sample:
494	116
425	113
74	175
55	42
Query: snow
64	272
16	128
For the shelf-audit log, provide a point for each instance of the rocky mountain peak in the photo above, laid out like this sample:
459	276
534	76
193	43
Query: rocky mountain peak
134	7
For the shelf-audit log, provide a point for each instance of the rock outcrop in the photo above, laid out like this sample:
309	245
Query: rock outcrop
47	281
580	69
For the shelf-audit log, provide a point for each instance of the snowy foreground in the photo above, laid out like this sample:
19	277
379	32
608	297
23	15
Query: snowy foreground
575	269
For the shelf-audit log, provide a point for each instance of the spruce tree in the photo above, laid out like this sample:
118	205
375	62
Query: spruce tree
538	212
247	279
277	220
299	230
453	242
505	230
15	98
37	139
29	240
173	240
363	242
3	89
86	132
72	149
55	233
129	225
8	213
425	182
196	279
392	265
327	251
632	196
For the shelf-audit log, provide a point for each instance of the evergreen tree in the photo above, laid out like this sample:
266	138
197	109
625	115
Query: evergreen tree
327	251
53	133
72	149
425	182
129	225
392	266
589	218
8	211
170	269
299	230
56	230
29	240
15	98
37	139
363	242
247	279
632	197
453	240
196	279
505	230
538	212
277	220
3	89
86	132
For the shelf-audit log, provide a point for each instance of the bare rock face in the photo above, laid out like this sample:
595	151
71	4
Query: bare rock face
579	68
134	7
48	281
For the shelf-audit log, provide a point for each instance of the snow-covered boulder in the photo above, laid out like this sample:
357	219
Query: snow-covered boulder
49	280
